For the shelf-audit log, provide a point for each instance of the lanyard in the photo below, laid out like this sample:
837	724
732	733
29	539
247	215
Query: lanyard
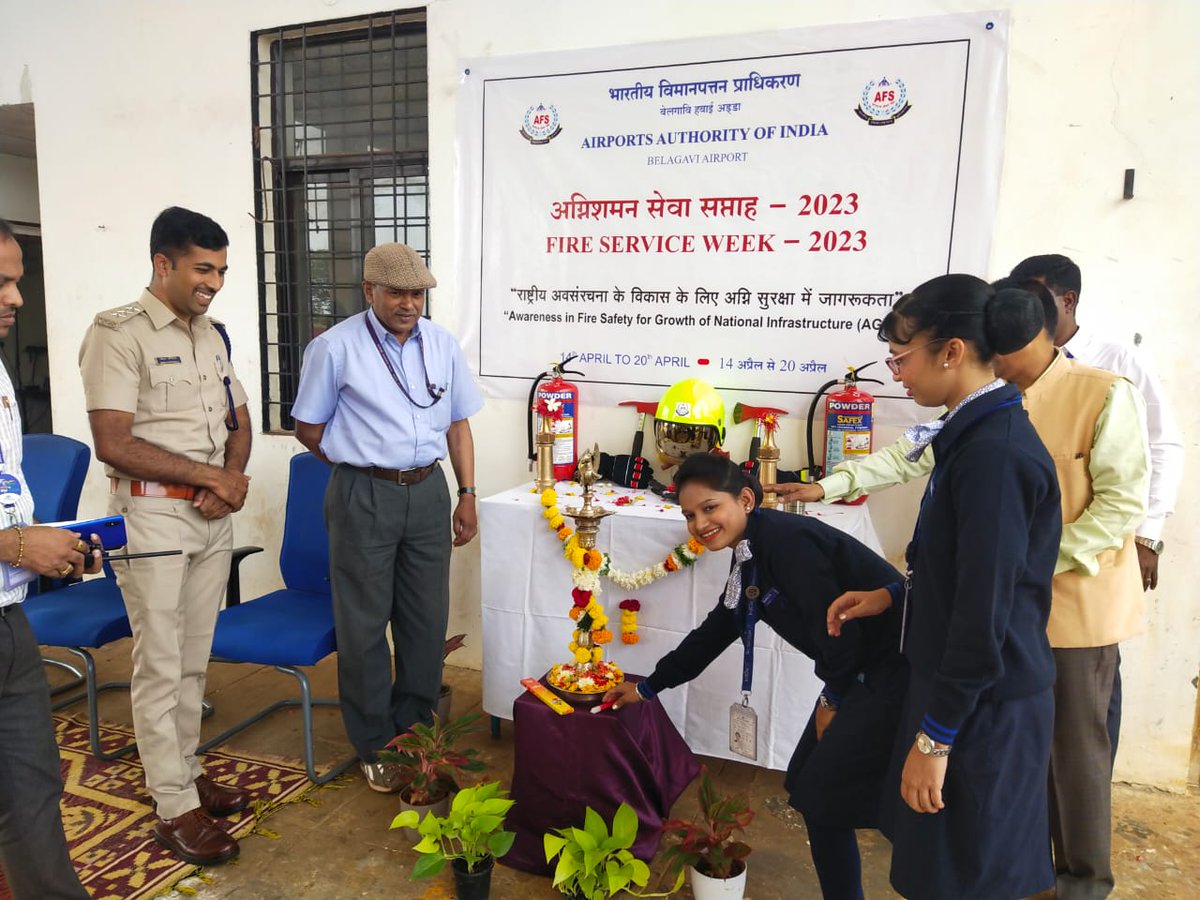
753	604
748	647
434	392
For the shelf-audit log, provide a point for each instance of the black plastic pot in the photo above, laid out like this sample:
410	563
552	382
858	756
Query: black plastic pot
475	885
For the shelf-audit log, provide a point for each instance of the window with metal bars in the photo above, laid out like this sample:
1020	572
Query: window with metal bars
341	140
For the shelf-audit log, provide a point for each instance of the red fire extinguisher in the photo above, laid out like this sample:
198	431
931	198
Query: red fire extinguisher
849	430
563	395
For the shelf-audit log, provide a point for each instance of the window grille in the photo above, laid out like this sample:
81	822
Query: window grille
341	143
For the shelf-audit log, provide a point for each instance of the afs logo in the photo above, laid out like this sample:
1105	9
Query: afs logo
883	102
541	124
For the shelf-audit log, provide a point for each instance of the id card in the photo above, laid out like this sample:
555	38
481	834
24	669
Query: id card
743	731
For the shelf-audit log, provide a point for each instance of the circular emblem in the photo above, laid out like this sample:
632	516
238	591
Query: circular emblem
752	592
683	409
9	484
883	101
541	124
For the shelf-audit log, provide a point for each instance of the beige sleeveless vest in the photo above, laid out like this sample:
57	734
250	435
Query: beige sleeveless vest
1087	610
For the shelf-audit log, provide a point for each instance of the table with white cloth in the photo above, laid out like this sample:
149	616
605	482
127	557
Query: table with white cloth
526	591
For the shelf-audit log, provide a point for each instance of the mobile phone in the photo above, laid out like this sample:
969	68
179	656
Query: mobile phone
110	530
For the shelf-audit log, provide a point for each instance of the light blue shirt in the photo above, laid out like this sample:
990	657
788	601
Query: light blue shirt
345	384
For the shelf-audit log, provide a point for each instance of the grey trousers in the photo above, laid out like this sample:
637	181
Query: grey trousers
33	848
1081	772
389	565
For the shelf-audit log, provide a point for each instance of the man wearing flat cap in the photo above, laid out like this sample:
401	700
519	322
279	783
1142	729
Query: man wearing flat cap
384	396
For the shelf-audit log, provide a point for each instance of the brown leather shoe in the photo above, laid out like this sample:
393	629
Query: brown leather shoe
196	837
221	799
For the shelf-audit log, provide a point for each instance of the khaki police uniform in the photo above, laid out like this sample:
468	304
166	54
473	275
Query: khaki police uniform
142	359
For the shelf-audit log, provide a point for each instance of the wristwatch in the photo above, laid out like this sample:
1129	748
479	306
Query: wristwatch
466	490
1155	547
926	745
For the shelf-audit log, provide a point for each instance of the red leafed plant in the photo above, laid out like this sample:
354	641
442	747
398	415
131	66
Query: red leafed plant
707	843
428	759
452	644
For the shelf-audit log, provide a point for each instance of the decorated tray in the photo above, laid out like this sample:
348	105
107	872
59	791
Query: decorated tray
584	688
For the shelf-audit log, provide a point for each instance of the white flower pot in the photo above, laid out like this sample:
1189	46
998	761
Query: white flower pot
707	888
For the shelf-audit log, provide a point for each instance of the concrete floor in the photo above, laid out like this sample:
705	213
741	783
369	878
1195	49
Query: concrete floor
337	845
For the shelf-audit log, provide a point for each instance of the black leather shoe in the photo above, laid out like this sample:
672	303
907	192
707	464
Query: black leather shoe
221	799
196	837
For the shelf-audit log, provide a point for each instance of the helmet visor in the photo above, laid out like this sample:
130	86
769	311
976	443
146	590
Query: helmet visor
677	440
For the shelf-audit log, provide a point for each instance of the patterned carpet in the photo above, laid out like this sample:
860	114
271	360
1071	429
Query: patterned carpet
108	818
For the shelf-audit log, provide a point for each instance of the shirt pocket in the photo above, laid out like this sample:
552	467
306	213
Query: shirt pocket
170	387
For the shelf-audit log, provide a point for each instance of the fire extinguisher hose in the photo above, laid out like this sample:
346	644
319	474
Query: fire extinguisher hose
852	378
808	431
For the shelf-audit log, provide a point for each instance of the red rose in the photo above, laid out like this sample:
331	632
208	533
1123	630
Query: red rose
581	597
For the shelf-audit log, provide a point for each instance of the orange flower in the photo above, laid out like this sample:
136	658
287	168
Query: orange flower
670	565
564	532
593	560
601	636
575	613
630	638
695	546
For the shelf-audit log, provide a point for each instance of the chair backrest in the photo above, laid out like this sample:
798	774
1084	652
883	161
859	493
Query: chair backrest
55	467
304	556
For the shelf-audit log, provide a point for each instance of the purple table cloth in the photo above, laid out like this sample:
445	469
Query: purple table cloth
564	764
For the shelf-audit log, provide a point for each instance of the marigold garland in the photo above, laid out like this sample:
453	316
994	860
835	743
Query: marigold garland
588	566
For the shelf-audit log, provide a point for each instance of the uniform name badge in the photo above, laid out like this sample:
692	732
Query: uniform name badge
743	729
743	720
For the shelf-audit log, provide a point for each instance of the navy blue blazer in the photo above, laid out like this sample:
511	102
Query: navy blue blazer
982	559
800	565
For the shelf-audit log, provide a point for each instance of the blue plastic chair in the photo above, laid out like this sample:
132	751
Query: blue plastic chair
291	627
77	616
55	467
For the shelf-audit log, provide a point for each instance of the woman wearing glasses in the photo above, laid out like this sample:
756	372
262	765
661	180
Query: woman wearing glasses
969	818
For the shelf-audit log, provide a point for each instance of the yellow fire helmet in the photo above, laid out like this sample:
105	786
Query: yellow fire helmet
690	419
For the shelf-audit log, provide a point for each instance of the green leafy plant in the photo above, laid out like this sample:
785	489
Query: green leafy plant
707	843
472	831
593	864
429	761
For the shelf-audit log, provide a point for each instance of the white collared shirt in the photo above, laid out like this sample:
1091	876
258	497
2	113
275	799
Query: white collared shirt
1166	441
16	508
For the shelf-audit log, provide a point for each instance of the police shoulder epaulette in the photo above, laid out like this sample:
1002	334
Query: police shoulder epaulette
115	318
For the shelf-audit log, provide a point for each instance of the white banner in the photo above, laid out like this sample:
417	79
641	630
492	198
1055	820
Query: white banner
742	209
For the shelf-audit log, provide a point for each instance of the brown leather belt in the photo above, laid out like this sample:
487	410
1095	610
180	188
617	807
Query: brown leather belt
397	476
157	489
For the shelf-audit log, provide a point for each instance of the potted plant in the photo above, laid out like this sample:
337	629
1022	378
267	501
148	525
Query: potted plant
471	836
716	862
443	704
594	864
431	764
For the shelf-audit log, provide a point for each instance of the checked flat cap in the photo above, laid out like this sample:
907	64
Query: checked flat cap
397	266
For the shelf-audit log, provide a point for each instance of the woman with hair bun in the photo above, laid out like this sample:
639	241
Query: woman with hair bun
966	807
786	571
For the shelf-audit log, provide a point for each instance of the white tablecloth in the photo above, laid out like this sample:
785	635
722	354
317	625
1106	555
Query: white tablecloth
527	595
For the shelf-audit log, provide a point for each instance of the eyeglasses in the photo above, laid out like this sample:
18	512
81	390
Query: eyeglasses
893	362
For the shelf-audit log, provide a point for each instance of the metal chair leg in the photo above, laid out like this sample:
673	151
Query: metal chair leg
305	704
76	680
92	694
